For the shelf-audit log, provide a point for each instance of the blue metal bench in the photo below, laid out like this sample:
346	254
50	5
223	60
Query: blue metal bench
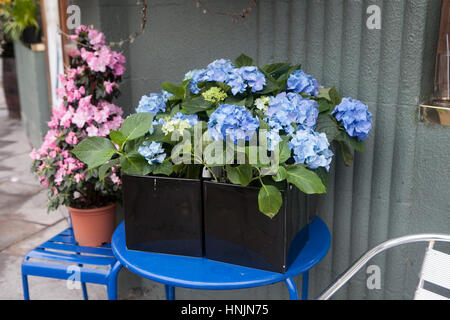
60	257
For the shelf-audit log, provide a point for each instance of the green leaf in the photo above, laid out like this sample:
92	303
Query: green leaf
179	92
243	61
235	101
324	93
104	168
117	138
281	174
94	151
197	104
345	153
305	180
165	168
242	174
134	164
334	96
353	142
328	125
324	105
136	126
285	152
324	175
271	84
270	200
276	69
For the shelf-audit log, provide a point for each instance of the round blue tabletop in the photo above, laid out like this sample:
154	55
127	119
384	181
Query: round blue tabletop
201	273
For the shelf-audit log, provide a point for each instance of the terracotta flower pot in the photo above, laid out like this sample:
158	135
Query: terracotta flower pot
93	227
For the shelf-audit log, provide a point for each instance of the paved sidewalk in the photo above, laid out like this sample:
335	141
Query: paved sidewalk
24	221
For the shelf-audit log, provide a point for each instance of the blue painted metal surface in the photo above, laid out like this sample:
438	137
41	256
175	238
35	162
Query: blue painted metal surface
201	273
64	249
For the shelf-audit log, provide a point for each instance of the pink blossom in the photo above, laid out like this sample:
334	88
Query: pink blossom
109	86
101	116
115	179
72	138
34	155
65	154
79	176
115	123
42	166
53	123
103	131
59	176
92	131
96	38
66	120
49	142
84	113
81	28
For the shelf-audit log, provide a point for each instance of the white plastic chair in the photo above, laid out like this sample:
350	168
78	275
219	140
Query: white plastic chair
435	267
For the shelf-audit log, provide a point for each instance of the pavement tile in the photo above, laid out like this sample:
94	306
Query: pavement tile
34	209
13	231
23	247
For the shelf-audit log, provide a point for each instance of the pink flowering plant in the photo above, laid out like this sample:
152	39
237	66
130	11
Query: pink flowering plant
88	88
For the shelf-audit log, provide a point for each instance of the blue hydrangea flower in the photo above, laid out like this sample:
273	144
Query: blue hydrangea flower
311	148
355	117
287	109
190	74
237	83
299	82
166	95
197	76
154	103
273	139
232	122
255	79
153	152
219	70
193	119
223	70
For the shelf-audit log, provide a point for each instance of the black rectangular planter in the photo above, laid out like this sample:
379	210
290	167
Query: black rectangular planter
237	232
163	215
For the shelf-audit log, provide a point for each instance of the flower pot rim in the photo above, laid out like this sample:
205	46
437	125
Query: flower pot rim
93	210
162	178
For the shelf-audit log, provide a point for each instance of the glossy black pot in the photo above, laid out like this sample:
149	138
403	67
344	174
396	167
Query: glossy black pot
237	232
163	215
31	35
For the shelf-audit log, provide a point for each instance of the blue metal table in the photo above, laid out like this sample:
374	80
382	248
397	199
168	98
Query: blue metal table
201	273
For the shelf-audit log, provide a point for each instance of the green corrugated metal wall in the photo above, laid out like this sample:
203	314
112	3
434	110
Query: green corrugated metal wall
400	185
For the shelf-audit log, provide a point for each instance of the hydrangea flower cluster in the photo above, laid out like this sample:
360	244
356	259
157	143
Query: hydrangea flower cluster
178	123
287	109
300	82
355	117
154	103
86	110
224	71
311	148
214	95
232	122
238	104
153	152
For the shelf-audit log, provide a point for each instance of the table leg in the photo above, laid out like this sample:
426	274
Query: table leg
112	281
305	284
170	292
293	293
